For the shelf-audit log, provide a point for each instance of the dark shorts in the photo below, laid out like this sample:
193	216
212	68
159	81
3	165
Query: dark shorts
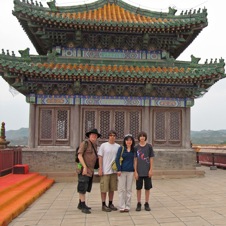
147	183
84	184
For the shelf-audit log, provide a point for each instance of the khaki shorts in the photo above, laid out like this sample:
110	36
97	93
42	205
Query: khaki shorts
109	182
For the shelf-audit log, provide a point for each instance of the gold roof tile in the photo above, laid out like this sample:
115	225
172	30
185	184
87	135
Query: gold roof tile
111	12
128	16
164	69
113	68
159	69
165	20
181	70
170	69
120	68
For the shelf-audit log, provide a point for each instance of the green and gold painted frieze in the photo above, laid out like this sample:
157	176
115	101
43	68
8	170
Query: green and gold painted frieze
109	101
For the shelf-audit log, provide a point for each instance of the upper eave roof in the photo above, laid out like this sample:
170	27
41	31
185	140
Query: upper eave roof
109	16
110	11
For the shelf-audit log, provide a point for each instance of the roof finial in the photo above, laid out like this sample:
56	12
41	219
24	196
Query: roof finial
195	60
3	142
52	5
172	11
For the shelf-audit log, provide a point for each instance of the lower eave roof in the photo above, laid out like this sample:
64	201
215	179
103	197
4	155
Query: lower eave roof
61	69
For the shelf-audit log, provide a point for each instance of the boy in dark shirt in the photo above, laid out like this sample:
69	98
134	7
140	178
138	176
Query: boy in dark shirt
143	165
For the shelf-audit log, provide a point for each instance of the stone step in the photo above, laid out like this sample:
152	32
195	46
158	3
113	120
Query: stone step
18	191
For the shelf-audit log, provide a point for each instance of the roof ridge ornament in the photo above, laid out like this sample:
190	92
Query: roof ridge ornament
172	11
25	54
52	56
194	60
170	59
52	5
221	61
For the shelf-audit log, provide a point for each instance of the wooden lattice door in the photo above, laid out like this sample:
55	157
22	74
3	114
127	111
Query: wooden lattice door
54	126
122	120
167	127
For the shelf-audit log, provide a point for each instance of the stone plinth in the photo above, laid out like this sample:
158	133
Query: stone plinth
59	163
3	143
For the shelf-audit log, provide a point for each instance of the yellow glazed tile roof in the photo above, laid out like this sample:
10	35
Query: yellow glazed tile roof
110	13
108	68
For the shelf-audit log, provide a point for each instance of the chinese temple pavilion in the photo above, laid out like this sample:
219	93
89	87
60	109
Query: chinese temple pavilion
108	65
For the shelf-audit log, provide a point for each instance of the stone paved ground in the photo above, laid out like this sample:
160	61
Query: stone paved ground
174	202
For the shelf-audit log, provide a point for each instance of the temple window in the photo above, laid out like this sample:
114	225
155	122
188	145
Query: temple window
122	120
54	126
167	127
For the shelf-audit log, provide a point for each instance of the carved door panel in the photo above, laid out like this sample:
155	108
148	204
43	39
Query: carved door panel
122	120
167	127
54	126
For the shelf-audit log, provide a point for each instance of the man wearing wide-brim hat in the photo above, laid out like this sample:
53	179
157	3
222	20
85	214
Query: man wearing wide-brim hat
95	131
87	155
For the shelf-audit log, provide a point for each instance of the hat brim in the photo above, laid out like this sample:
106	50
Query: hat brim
98	134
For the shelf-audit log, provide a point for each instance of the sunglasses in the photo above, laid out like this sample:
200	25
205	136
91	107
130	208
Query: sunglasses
112	135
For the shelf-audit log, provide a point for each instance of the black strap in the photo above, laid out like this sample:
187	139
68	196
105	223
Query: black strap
94	149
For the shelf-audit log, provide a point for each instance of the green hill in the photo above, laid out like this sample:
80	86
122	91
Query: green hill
20	137
17	137
208	137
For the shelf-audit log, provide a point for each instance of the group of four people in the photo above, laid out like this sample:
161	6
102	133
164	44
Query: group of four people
137	163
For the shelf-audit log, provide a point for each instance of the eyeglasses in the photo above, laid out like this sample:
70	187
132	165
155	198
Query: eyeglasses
112	135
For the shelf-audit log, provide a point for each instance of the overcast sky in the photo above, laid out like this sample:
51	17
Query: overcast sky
208	113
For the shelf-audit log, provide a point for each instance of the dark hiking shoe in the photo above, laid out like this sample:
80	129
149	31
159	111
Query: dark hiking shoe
112	207
106	209
85	210
80	206
138	206
147	207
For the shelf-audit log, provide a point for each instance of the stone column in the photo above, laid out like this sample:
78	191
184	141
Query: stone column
32	119
75	126
146	123
186	128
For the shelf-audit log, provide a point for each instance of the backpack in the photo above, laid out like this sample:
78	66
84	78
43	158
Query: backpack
76	151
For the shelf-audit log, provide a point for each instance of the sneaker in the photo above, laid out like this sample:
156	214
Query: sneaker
112	207
85	210
147	207
138	206
80	206
106	209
